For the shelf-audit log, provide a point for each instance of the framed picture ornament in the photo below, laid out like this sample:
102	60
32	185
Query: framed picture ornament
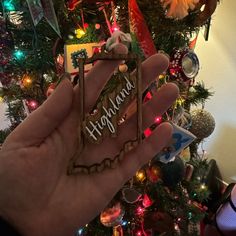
109	111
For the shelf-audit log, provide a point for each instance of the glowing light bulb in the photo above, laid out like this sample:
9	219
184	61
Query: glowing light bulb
203	186
8	5
79	33
158	120
26	80
115	28
140	210
32	104
124	223
141	175
80	231
139	233
18	54
147	132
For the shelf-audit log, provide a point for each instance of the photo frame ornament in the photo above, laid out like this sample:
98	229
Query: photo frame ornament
105	118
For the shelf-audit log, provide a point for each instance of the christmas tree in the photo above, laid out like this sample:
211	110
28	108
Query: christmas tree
40	40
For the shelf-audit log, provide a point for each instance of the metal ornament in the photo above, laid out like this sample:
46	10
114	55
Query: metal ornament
184	65
104	119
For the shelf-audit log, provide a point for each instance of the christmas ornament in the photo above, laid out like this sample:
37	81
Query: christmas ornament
59	62
95	126
172	172
147	202
71	53
188	172
123	68
44	8
203	123
130	195
154	173
178	9
184	65
139	28
76	55
112	216
116	38
181	138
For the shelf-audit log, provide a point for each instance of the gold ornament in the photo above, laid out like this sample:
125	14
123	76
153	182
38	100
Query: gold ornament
203	123
1	99
123	68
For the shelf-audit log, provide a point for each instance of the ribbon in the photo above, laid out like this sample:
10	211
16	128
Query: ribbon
139	28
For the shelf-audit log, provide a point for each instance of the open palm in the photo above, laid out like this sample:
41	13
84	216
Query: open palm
37	195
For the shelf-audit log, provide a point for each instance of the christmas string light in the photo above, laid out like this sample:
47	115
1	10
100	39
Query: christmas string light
8	5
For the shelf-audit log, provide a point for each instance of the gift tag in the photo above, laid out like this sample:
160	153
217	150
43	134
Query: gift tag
181	138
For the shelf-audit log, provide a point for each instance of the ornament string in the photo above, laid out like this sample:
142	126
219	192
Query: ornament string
82	18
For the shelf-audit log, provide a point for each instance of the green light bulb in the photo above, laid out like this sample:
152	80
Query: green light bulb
8	5
18	54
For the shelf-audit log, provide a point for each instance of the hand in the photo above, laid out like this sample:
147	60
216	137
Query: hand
37	195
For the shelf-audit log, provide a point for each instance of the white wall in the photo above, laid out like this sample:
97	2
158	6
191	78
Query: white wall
218	70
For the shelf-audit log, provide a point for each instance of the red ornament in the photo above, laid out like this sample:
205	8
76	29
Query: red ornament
147	202
184	65
148	97
154	173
